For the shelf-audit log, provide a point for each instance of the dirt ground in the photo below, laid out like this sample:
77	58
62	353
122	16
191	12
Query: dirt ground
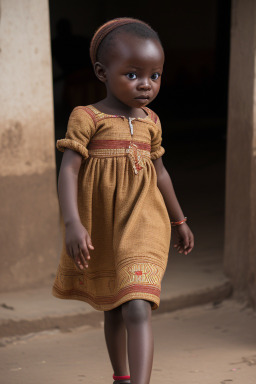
201	345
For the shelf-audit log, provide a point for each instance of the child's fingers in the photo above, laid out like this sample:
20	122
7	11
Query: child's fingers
188	250
84	248
191	245
73	256
78	263
78	258
182	248
89	246
192	242
179	248
85	253
81	258
89	243
186	244
70	252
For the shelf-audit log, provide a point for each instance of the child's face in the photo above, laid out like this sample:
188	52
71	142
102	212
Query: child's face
133	70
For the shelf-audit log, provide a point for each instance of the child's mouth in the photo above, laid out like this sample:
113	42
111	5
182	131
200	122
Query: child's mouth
142	97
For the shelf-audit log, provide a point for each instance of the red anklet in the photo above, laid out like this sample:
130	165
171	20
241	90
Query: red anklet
121	377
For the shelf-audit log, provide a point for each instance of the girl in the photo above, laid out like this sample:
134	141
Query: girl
117	198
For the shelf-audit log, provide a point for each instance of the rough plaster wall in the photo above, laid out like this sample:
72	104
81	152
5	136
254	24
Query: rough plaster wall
240	226
29	211
26	114
252	256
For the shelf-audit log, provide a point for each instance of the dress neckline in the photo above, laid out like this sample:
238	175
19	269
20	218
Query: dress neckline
123	117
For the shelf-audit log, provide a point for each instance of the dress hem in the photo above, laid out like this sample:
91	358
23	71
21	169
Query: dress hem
155	300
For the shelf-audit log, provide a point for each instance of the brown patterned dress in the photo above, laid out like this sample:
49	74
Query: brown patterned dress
121	207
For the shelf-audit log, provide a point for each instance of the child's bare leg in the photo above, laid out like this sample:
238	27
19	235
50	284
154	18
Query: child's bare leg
137	318
115	335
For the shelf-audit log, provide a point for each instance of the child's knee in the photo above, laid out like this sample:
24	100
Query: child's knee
136	311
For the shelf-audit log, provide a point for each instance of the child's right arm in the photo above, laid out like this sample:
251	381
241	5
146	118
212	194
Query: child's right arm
78	241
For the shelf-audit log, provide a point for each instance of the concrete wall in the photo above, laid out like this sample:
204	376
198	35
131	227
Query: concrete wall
29	210
240	226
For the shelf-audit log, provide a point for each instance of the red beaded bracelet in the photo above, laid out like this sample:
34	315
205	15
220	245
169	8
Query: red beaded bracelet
175	223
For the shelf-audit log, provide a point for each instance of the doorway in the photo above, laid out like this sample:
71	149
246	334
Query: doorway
192	103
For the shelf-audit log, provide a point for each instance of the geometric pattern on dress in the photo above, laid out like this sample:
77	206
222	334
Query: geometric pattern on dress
136	273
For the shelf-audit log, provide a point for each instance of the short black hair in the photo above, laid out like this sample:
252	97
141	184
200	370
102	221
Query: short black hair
136	29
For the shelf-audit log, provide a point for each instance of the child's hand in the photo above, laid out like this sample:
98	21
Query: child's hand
78	243
183	238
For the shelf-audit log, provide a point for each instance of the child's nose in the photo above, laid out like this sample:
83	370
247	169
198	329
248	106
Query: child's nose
144	84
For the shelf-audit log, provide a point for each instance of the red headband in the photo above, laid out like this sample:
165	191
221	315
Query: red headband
105	29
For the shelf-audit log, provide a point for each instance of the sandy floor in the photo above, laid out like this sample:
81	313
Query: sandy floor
201	345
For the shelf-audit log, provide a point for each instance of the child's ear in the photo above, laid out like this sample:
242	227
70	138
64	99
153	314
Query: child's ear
100	71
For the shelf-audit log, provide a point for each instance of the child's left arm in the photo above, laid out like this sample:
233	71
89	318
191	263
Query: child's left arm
183	237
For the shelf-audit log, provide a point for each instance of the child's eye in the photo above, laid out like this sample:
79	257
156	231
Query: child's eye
131	76
155	76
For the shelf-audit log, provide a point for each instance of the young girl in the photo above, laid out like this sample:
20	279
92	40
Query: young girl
117	199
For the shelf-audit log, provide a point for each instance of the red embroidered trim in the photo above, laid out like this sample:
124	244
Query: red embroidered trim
101	300
109	144
90	113
151	114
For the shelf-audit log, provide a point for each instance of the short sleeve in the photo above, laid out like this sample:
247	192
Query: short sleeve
80	129
156	149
